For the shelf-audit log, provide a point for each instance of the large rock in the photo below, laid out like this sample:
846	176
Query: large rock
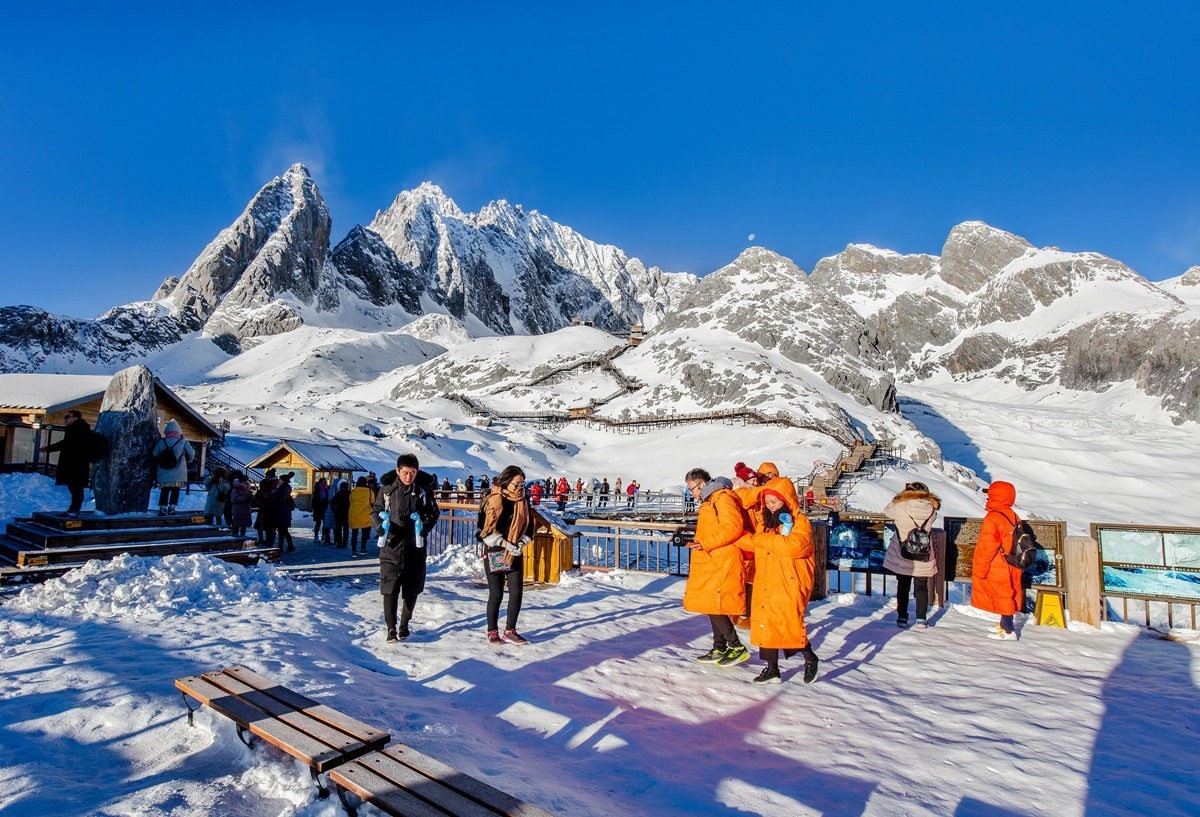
129	419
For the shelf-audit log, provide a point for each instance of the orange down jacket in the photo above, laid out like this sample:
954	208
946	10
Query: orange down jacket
716	580
995	584
784	576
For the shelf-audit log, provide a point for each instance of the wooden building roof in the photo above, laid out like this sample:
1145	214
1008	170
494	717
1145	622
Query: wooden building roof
320	457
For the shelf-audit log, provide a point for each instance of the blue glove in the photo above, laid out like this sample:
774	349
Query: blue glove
785	523
384	523
418	525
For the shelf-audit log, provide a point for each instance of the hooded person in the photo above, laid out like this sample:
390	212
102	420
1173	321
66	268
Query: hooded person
786	570
716	577
995	584
171	455
913	509
407	496
362	498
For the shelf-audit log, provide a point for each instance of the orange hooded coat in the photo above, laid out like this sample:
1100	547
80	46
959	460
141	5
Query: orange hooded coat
716	579
784	576
995	584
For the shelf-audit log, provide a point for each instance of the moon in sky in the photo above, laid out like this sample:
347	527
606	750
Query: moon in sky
751	237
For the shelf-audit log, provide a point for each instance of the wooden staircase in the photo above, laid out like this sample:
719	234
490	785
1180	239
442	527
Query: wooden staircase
49	544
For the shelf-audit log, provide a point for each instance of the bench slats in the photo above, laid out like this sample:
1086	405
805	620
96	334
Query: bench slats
338	720
296	743
442	792
343	743
380	791
502	802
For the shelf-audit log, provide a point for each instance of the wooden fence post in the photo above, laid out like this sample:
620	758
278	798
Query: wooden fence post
820	537
1081	578
937	583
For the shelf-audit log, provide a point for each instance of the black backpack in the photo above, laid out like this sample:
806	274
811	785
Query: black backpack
1023	550
918	545
167	458
98	447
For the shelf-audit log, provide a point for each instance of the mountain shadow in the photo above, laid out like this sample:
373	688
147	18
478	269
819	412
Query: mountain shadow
955	443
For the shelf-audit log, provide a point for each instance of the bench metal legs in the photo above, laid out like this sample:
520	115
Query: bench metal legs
344	796
244	735
322	791
191	709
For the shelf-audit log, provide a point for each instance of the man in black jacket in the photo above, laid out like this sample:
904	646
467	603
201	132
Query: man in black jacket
403	493
73	468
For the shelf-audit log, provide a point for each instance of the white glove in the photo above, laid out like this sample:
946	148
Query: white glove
515	550
524	540
493	540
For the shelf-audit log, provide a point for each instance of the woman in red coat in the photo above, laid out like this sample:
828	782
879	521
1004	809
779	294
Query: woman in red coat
995	584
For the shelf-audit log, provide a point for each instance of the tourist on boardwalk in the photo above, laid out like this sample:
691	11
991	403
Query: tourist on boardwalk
507	527
485	484
446	488
631	490
617	487
471	488
373	482
329	518
995	584
716	579
171	454
361	500
783	552
535	491
259	502
340	503
913	509
562	493
579	486
604	490
320	502
73	468
240	518
403	494
217	486
278	509
590	489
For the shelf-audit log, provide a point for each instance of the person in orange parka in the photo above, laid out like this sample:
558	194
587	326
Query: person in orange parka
785	573
716	579
995	584
748	494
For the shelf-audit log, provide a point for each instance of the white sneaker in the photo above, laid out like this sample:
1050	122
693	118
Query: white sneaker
1003	635
921	625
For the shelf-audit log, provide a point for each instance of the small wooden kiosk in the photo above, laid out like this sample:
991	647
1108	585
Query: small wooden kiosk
309	462
32	407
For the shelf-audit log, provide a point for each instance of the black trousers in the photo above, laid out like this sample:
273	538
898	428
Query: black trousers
515	579
391	601
724	633
76	488
168	496
903	584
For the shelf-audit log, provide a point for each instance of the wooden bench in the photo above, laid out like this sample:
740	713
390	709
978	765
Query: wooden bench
399	780
307	730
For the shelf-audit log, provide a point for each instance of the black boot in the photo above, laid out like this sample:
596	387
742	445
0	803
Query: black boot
811	663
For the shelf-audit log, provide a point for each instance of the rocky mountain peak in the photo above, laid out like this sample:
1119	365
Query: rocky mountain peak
1191	278
975	251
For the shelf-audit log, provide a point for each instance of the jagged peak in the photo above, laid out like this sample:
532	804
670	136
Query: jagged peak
426	194
297	171
978	231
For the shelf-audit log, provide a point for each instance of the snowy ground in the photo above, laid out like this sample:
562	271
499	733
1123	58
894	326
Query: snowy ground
604	713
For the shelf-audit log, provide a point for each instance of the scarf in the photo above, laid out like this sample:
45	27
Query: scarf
494	504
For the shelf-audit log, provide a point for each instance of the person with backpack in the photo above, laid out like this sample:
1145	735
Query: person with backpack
716	578
783	550
996	584
910	554
171	455
506	525
73	469
406	496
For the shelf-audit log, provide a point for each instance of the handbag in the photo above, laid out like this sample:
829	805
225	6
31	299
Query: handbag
499	561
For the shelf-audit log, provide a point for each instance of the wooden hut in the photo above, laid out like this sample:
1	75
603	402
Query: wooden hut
32	407
309	462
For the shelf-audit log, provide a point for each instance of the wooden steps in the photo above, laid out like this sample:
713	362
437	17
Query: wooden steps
50	544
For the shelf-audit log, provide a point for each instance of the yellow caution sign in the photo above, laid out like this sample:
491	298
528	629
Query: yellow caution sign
1048	611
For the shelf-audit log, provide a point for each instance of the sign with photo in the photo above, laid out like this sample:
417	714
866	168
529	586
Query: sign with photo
1151	563
962	533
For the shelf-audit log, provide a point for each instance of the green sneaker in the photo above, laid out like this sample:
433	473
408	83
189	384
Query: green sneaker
734	655
711	657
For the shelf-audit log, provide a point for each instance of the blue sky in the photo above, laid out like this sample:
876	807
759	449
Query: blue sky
130	137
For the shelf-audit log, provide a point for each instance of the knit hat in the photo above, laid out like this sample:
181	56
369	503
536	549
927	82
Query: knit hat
743	472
